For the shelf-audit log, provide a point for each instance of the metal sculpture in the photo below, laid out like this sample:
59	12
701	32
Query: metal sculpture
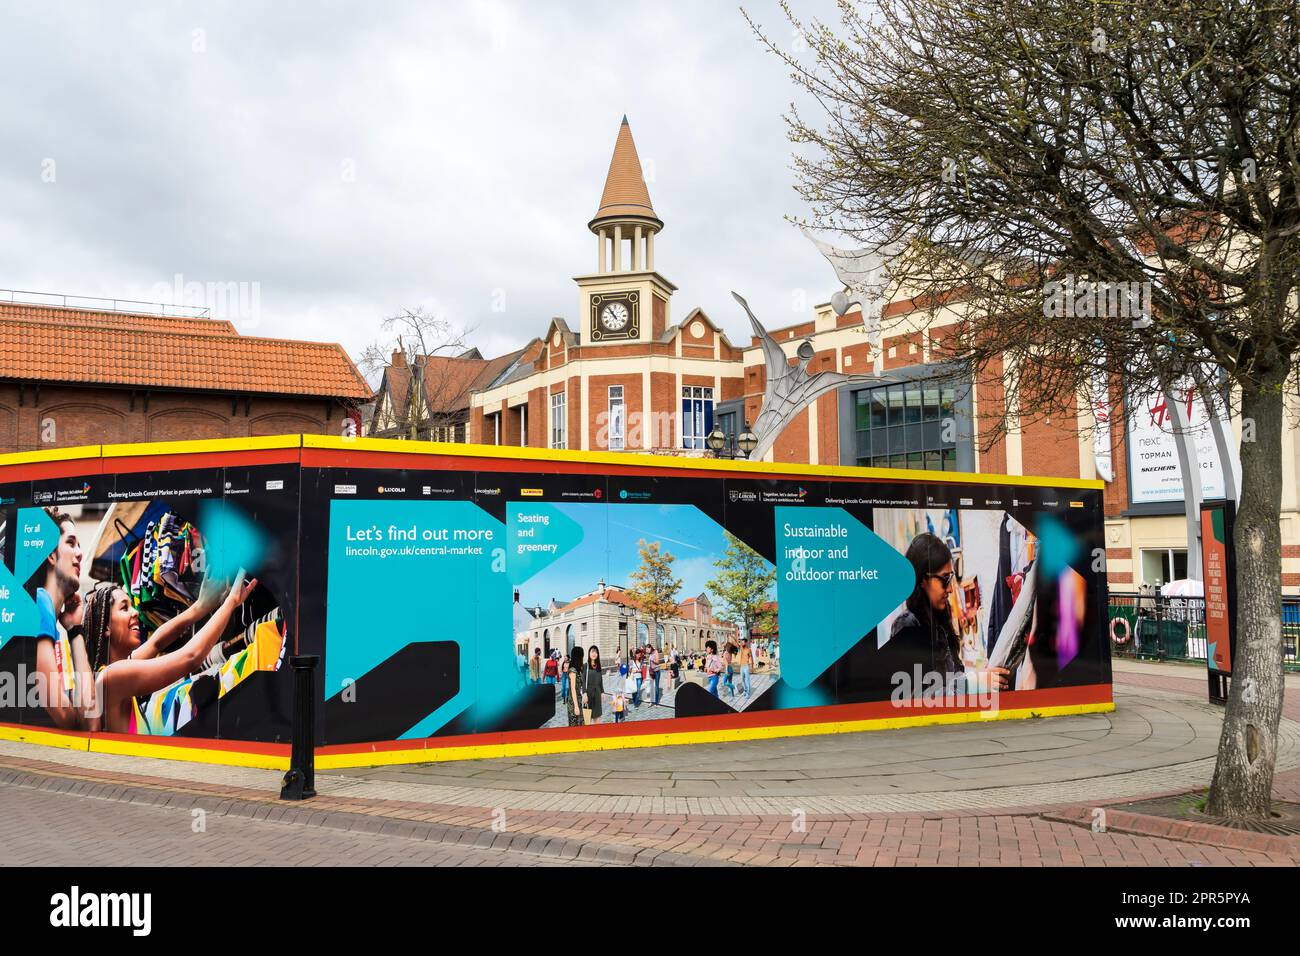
790	388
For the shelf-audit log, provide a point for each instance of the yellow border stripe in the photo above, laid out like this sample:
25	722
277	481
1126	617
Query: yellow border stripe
630	459
52	454
633	459
726	735
200	446
46	738
228	758
142	747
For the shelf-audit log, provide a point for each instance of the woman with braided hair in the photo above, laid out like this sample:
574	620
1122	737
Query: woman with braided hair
127	668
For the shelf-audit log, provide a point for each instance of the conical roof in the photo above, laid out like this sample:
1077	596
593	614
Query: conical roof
625	192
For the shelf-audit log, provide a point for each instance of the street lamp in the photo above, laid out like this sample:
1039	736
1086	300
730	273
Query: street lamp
747	441
717	440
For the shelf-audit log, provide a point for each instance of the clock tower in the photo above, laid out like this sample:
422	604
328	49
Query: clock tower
625	300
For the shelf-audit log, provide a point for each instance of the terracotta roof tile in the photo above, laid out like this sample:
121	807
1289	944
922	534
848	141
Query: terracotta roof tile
147	353
61	315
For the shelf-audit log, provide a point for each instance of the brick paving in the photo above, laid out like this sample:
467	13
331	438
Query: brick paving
49	828
588	826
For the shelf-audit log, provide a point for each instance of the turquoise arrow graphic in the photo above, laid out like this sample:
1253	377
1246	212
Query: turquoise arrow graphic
37	537
836	580
17	609
537	536
403	571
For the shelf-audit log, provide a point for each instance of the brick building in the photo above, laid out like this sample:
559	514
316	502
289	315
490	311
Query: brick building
431	400
611	619
628	378
74	376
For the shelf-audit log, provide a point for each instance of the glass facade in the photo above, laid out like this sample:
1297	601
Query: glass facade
907	425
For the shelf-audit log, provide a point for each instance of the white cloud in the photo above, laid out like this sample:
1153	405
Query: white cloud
477	136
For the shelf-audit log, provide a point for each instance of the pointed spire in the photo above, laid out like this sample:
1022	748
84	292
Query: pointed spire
625	194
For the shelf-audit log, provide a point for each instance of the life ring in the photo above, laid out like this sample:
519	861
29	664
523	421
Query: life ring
1128	631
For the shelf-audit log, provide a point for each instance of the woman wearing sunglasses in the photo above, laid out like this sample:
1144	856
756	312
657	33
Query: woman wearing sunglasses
924	631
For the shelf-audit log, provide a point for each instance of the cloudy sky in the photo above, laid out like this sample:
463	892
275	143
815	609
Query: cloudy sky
352	159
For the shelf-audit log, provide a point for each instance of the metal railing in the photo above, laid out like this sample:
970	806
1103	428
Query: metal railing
97	304
1173	628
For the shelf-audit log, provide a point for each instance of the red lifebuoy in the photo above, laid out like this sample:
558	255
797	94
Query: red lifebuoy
1128	631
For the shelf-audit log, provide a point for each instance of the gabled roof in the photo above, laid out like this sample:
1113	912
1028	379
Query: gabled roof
625	191
43	344
567	336
448	379
679	328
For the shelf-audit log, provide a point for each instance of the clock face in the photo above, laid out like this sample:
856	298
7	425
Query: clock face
614	317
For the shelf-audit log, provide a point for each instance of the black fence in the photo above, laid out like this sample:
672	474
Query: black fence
1173	628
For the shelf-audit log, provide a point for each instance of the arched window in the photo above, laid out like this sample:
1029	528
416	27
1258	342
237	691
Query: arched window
568	639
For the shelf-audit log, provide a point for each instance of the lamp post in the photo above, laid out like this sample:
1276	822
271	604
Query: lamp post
747	441
717	441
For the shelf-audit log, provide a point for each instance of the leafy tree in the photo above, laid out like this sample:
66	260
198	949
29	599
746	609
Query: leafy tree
1009	144
653	586
743	585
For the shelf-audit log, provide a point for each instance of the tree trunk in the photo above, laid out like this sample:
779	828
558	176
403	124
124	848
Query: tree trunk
1243	774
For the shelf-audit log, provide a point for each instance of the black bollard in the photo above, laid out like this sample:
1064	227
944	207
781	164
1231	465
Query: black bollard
300	781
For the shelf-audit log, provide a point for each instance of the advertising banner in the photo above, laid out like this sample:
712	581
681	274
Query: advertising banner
472	599
481	602
1154	473
1219	576
156	604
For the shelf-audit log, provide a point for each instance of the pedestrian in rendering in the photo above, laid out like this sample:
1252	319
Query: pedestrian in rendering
744	661
564	676
652	664
631	685
729	659
636	670
713	666
535	666
573	690
593	684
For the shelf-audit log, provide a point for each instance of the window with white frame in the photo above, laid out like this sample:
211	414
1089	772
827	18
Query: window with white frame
1162	565
557	421
616	418
697	415
523	425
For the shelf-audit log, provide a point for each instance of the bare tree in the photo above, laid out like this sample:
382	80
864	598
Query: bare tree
1020	148
418	343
